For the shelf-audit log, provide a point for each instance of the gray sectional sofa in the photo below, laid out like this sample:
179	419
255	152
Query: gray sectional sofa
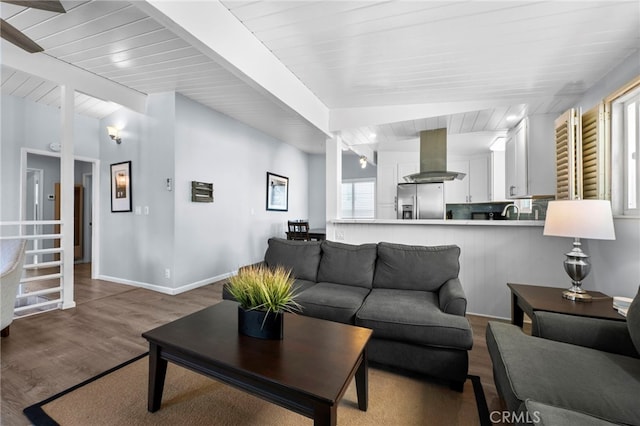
409	295
572	371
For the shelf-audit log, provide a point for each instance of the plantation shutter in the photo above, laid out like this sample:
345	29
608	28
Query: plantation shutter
594	155
567	170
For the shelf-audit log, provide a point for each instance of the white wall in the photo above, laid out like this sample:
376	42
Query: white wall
28	124
618	269
351	168
214	239
181	140
620	74
316	191
133	247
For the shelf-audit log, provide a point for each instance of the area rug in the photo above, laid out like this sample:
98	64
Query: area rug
119	397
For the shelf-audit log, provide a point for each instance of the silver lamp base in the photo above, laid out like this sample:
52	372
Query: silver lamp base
577	267
577	294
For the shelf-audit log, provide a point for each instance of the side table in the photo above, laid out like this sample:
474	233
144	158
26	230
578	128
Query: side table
530	298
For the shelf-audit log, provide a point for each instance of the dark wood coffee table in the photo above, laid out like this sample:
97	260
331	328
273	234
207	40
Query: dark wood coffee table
306	372
531	298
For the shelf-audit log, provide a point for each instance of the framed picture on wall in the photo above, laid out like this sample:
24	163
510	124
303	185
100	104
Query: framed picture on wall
121	187
277	192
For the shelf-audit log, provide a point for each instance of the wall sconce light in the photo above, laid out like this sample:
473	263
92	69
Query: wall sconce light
114	134
363	161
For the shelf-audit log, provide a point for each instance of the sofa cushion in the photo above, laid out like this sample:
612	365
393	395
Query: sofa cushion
548	415
413	316
301	257
301	285
347	264
333	302
407	267
589	381
633	321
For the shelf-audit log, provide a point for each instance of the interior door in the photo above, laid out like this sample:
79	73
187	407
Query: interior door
78	222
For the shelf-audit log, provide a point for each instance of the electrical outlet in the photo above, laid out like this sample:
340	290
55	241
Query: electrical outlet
167	273
340	235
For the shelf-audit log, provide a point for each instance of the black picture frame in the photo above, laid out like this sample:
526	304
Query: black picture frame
121	187
277	192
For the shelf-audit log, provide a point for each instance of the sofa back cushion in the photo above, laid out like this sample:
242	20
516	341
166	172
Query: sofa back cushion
423	268
347	264
301	257
633	321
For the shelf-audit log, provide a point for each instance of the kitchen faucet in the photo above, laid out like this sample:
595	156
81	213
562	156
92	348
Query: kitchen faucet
506	210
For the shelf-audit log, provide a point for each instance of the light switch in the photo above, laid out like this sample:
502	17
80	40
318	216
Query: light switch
138	210
146	210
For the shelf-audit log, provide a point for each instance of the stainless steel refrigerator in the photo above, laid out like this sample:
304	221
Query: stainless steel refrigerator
420	201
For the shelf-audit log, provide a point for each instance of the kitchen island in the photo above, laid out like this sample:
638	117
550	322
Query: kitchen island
495	252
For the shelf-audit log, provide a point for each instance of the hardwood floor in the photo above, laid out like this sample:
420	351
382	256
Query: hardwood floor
50	352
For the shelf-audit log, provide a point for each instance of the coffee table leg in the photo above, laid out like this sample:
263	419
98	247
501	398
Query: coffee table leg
157	373
362	383
325	415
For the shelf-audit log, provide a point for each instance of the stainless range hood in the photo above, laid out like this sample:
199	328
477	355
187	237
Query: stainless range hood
433	159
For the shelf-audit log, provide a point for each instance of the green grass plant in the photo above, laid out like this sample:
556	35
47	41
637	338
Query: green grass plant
263	288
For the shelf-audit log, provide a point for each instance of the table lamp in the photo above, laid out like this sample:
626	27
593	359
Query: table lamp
579	219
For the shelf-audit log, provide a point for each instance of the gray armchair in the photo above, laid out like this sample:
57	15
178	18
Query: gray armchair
12	254
572	368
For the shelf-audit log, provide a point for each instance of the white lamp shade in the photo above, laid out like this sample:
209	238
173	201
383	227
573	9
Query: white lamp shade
590	219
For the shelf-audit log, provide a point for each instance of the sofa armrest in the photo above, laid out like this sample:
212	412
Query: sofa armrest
601	334
452	298
258	264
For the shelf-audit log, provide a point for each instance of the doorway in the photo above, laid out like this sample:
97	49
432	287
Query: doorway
78	220
34	204
44	167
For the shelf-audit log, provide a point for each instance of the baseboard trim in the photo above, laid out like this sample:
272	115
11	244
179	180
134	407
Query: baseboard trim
167	290
489	316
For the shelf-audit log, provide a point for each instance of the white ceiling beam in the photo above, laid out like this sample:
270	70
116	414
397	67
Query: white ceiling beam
210	27
348	118
64	74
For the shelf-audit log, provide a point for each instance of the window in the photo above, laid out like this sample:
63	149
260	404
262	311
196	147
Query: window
625	145
631	120
358	199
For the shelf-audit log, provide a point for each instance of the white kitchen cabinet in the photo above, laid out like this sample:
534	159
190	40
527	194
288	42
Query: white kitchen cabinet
386	186
474	187
497	176
541	154
530	157
457	191
479	179
516	177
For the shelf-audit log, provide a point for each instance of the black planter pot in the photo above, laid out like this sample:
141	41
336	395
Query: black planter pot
260	324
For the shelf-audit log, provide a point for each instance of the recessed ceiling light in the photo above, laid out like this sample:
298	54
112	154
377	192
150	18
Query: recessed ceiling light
372	135
512	118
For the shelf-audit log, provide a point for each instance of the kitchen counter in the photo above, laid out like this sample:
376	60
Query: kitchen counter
439	222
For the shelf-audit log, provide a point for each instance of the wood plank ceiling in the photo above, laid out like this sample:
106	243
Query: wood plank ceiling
527	57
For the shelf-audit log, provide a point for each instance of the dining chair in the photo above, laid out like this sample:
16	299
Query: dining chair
298	230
